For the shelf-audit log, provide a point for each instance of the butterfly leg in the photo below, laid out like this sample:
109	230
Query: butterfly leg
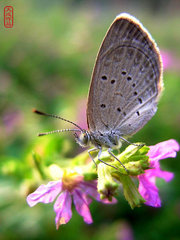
89	152
109	151
99	154
125	140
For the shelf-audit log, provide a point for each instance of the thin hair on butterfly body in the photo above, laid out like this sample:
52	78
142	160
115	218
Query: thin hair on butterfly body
125	87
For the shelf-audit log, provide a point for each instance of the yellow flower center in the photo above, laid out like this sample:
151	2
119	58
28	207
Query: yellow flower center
70	180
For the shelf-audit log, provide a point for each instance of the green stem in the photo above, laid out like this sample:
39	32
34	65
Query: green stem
38	165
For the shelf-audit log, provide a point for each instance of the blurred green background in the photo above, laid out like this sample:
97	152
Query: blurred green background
46	61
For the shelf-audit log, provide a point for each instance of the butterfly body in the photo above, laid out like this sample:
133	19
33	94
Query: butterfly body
99	139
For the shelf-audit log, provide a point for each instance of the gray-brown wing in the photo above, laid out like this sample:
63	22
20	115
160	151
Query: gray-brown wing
127	79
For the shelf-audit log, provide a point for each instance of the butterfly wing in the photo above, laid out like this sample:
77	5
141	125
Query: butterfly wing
127	79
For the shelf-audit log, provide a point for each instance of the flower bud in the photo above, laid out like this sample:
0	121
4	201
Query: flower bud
107	185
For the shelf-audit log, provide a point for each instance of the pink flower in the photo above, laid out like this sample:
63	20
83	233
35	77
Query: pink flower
12	120
167	59
147	181
71	186
170	61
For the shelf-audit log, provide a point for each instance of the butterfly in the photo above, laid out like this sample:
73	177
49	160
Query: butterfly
125	87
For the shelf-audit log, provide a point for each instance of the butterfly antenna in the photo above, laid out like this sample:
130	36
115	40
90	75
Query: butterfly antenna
58	131
55	116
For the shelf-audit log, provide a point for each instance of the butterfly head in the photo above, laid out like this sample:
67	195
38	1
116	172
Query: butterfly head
83	139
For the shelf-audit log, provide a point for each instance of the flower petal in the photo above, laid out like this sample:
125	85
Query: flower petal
167	176
81	205
45	193
147	181
62	208
90	188
149	191
163	150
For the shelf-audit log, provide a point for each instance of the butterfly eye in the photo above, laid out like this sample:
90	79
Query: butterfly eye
83	137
